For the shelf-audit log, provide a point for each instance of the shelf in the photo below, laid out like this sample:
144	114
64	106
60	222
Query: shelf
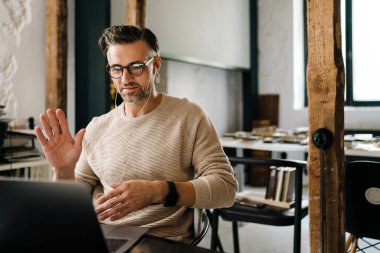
24	164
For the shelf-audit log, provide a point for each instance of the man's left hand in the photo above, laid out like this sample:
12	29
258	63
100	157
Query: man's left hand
128	197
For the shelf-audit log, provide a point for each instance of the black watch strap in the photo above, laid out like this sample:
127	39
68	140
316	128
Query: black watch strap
172	197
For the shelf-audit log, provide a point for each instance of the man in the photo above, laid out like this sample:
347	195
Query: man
151	158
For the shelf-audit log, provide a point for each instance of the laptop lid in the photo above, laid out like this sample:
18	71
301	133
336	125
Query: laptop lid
51	217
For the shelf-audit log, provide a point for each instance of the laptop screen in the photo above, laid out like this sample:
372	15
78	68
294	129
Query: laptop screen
48	217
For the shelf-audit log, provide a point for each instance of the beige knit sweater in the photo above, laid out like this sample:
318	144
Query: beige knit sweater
176	142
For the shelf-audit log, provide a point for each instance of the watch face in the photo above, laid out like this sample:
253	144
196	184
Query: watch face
172	197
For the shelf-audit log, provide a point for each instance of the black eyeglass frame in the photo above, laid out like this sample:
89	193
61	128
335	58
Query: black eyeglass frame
129	67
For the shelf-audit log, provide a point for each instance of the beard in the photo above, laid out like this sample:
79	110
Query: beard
138	96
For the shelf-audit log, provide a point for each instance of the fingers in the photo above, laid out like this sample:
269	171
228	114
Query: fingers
50	123
115	213
54	122
109	196
119	215
79	138
125	198
102	207
108	204
40	136
62	121
45	124
119	212
107	208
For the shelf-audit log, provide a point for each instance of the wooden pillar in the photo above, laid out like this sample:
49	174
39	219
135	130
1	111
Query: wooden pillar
56	54
325	88
136	13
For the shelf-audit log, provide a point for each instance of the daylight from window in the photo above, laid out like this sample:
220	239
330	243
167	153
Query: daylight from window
365	52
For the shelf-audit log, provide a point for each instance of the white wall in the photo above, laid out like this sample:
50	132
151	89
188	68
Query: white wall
22	69
22	63
275	37
215	32
22	60
217	90
277	73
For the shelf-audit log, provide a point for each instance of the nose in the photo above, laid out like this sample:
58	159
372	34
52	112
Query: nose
126	77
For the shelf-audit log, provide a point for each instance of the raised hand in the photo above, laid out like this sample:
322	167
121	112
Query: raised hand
60	148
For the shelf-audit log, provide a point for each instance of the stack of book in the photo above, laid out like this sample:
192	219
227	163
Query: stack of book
3	126
19	146
279	190
280	186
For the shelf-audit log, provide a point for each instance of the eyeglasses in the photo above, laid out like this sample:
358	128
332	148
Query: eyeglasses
134	69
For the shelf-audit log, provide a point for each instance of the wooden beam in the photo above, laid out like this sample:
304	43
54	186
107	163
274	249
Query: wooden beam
325	88
56	54
136	13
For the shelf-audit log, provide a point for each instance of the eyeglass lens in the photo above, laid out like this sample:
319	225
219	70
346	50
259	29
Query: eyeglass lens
135	69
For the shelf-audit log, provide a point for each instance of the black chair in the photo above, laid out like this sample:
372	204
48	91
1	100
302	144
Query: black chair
362	205
204	228
265	215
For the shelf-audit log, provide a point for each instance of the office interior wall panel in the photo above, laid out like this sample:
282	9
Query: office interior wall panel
213	32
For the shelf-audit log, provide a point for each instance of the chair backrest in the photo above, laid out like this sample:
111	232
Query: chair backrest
297	164
204	224
362	199
268	216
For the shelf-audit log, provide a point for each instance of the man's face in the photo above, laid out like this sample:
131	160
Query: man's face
133	89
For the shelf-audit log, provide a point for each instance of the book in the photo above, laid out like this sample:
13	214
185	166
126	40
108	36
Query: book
288	189
248	202
20	154
248	198
279	183
19	146
271	183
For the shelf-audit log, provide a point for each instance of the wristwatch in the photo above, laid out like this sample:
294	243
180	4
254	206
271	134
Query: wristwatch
172	197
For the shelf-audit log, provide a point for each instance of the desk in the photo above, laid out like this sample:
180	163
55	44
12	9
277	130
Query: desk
284	147
150	244
260	145
359	152
294	149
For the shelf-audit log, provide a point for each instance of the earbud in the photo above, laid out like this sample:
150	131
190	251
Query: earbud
115	100
117	88
117	91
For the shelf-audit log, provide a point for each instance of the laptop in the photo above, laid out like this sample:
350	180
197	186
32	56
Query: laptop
38	216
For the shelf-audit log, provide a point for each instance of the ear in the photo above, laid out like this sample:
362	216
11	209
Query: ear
157	64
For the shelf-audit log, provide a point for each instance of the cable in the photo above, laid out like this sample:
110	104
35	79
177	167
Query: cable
322	199
322	139
116	99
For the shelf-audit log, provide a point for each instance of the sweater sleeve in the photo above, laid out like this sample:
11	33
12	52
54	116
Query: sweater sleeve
215	184
83	171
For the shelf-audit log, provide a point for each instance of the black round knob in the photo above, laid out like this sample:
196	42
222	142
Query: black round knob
323	138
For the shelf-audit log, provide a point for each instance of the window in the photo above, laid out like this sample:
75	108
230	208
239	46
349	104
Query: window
361	52
362	55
